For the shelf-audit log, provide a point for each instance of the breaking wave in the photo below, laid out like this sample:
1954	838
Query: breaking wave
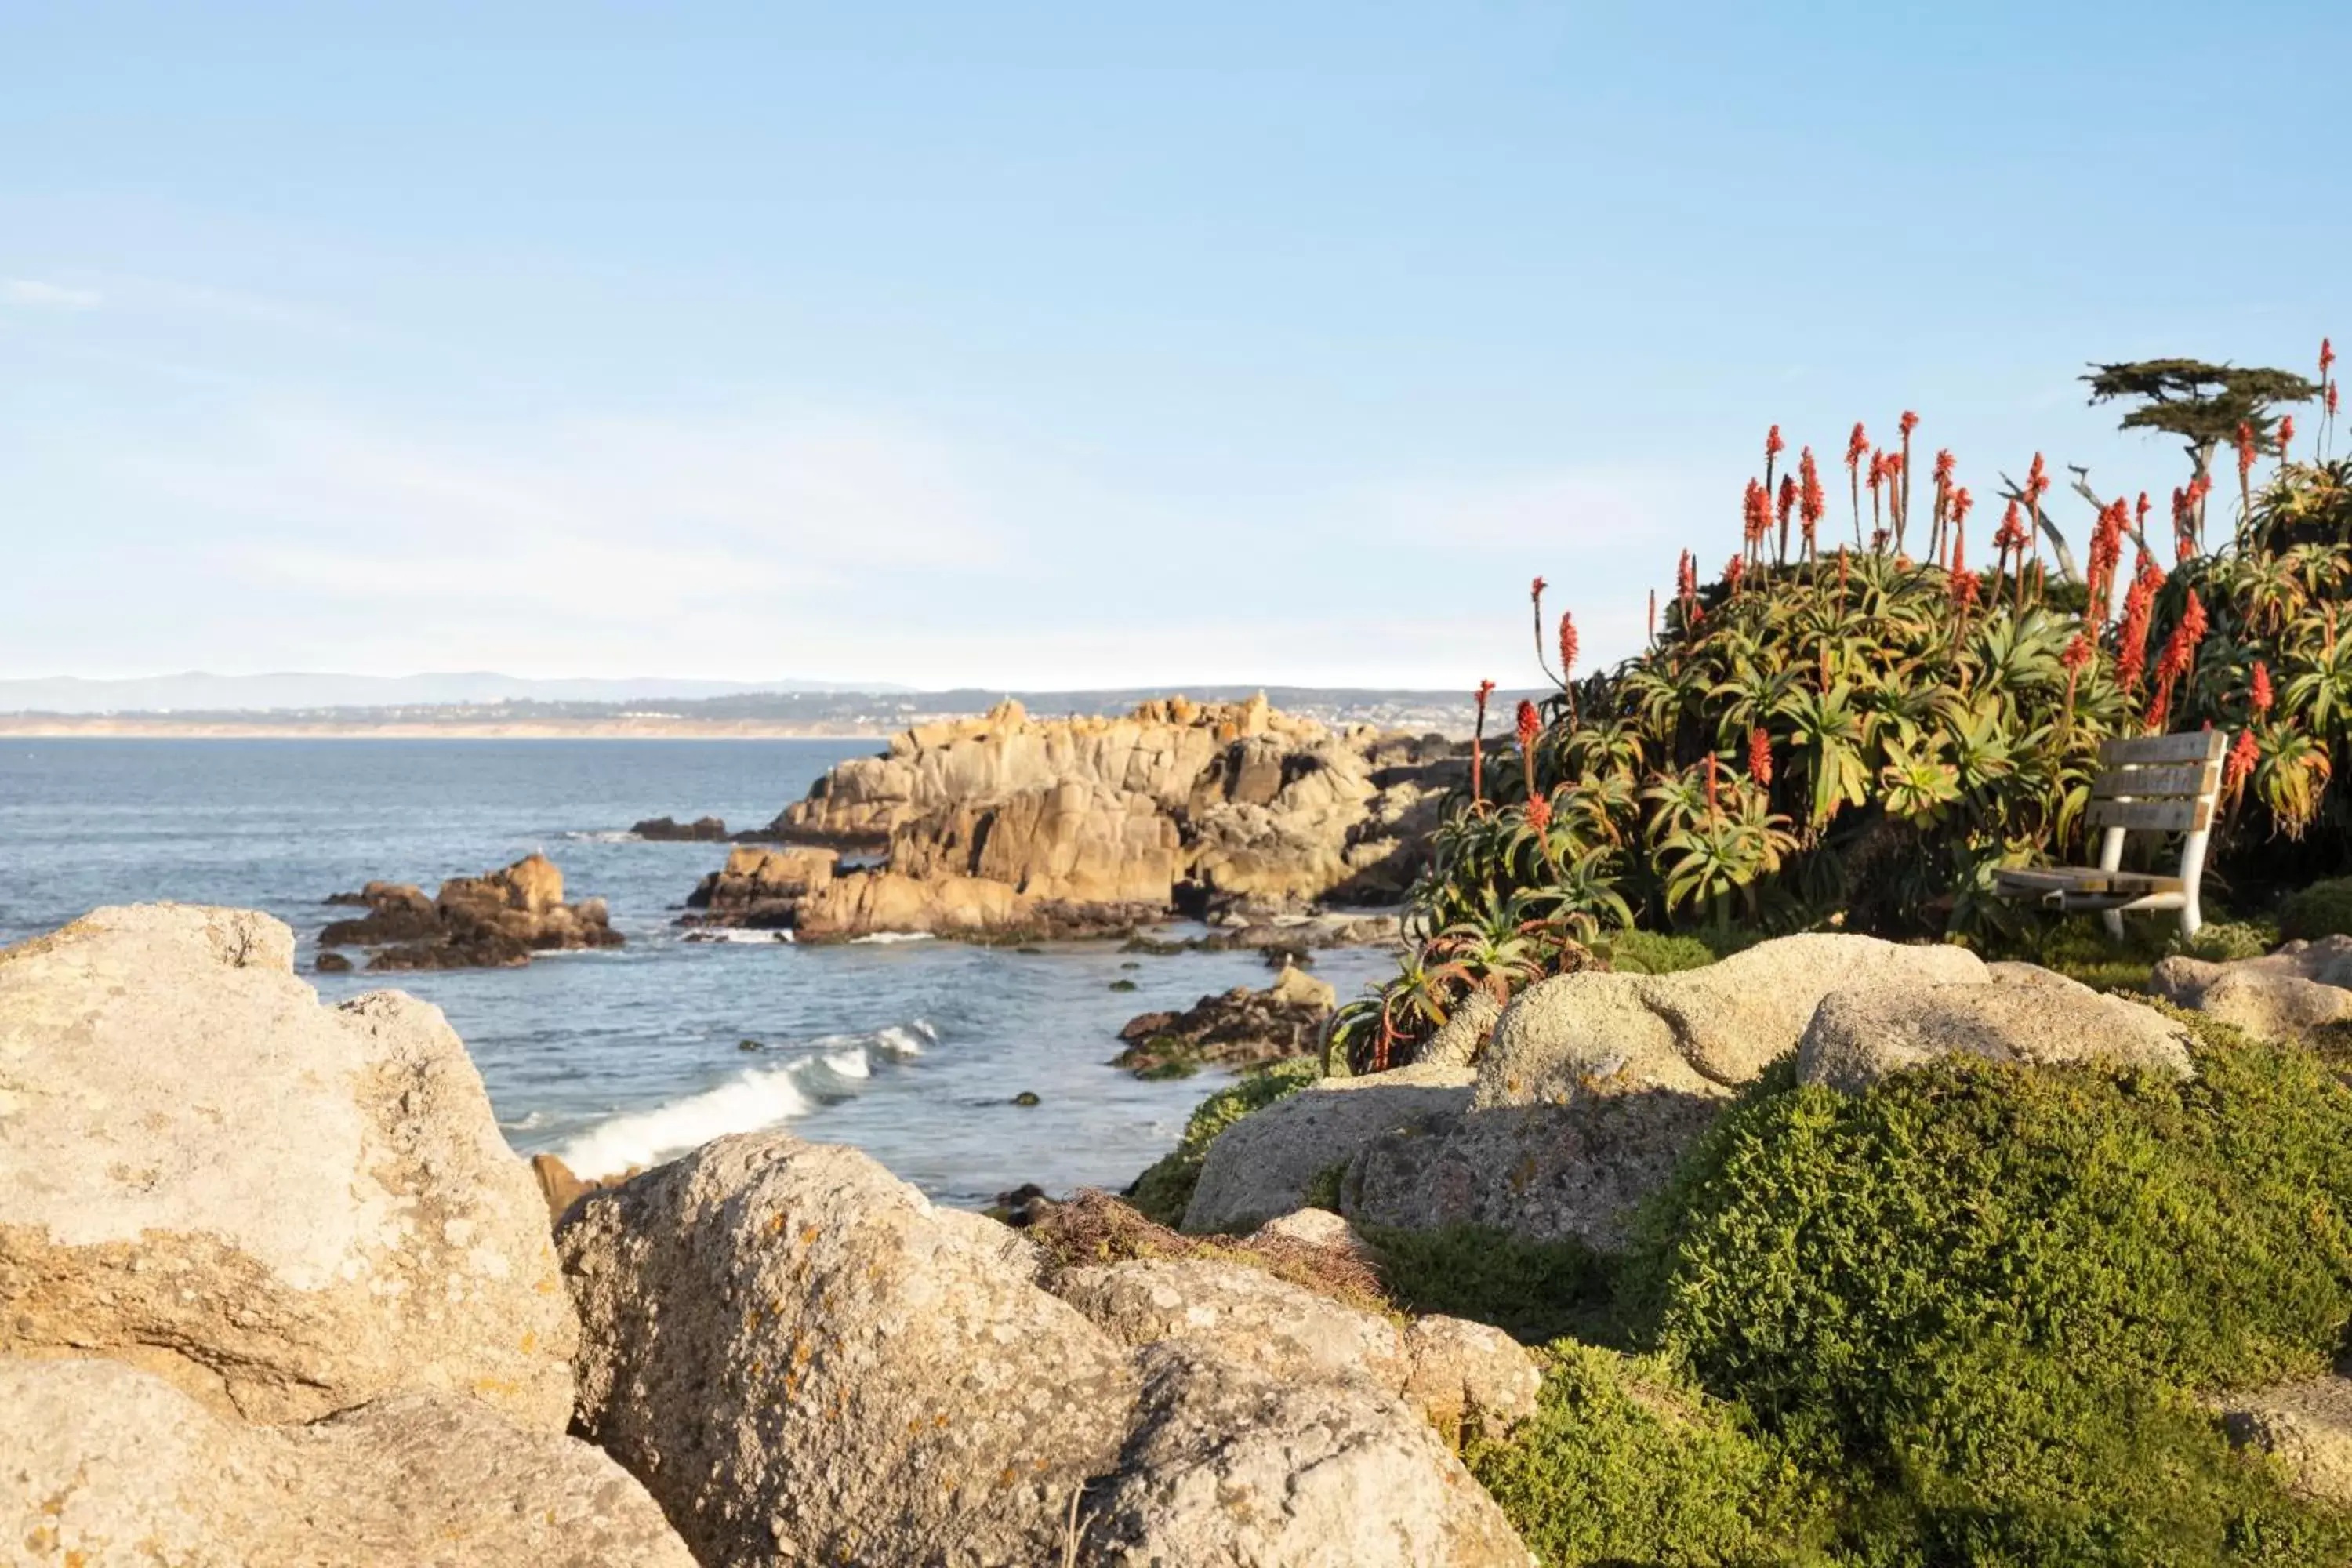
752	1101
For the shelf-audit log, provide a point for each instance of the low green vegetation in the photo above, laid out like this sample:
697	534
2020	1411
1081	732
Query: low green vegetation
1163	1192
1533	1290
1977	1304
2323	909
1626	1461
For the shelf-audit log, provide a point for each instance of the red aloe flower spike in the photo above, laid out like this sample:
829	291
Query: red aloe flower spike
1760	756
2331	400
1773	445
1539	813
1568	662
2326	357
1810	504
1788	505
2285	433
2131	638
2077	655
2244	752
1530	722
2260	696
1654	615
1731	575
1909	423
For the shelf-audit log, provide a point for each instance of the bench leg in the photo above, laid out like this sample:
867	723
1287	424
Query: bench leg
2110	859
2192	875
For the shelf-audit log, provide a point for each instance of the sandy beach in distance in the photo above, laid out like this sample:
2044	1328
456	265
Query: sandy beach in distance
147	728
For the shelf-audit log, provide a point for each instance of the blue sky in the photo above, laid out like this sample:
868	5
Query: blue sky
1064	345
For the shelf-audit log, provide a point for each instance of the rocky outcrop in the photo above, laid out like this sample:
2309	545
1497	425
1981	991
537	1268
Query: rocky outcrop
2026	1017
1245	1313
103	1464
762	888
282	1209
1702	1032
1090	824
1466	1376
494	920
1265	1164
1230	1465
805	1360
2290	994
1544	1171
1239	1029
2306	1425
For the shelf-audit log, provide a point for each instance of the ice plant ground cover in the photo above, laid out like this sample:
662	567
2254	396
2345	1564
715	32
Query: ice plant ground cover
1862	720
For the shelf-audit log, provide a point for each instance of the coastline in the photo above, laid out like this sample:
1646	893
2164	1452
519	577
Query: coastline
54	728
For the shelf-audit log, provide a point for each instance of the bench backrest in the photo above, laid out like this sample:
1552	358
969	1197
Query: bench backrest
2162	783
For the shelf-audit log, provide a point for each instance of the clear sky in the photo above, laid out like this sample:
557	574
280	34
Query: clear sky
1063	345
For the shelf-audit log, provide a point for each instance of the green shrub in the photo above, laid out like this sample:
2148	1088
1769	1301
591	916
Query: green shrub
1164	1191
1979	1296
2324	908
1653	953
1626	1463
2222	941
1532	1291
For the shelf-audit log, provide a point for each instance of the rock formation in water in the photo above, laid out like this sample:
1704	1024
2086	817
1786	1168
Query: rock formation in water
1240	1028
661	830
497	920
1081	825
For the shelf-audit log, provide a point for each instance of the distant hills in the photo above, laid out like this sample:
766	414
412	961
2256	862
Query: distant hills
486	703
196	692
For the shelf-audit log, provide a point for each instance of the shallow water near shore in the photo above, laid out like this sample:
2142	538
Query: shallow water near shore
912	1050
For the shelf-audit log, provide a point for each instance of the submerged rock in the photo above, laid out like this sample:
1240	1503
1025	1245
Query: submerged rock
281	1208
103	1464
803	1359
495	921
669	829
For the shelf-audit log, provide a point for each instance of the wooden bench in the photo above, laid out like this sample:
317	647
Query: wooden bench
2164	785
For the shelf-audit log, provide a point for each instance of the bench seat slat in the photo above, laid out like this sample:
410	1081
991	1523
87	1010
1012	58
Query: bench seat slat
2148	783
2196	747
2185	815
2087	880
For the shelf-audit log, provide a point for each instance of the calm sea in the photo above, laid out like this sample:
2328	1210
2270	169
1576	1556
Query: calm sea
913	1050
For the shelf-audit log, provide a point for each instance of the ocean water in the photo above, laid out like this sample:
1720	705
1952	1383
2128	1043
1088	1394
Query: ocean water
910	1050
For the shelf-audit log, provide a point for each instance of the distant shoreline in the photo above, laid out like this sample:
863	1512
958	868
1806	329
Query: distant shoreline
48	727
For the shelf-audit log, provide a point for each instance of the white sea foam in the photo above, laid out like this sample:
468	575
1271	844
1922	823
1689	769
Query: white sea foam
883	938
604	835
737	933
749	1102
746	1103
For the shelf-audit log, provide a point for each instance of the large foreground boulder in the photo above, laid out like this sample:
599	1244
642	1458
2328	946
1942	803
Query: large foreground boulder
1230	1466
2288	995
1263	1166
282	1209
1703	1032
103	1465
2028	1017
805	1360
